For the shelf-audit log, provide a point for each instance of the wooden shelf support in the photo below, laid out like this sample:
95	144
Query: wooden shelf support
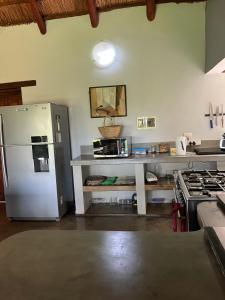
150	9
38	18
93	13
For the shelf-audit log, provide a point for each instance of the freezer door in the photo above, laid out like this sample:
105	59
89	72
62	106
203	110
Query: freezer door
21	122
30	194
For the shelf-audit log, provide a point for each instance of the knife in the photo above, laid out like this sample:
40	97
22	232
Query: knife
211	115
222	120
217	115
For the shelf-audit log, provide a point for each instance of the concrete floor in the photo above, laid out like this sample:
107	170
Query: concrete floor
115	265
72	222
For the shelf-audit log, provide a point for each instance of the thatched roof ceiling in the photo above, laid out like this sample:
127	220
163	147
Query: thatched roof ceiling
14	12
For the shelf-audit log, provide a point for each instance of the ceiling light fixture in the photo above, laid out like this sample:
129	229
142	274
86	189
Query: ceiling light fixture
103	54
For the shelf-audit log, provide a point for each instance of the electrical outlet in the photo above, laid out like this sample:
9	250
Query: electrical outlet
188	136
198	142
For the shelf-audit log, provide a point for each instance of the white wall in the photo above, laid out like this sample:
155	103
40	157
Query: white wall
162	63
215	41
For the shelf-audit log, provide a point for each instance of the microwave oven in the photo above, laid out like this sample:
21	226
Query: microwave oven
109	148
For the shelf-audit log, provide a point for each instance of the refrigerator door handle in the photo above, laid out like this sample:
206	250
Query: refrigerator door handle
30	144
4	171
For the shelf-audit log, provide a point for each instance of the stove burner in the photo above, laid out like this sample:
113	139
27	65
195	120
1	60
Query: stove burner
193	184
195	188
212	180
194	180
204	182
200	193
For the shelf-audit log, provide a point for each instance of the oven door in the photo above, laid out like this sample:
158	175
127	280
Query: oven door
179	210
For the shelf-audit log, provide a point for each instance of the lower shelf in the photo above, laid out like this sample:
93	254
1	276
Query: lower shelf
162	184
99	188
161	210
111	209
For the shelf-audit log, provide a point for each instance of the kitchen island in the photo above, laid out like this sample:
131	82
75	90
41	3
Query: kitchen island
109	265
82	192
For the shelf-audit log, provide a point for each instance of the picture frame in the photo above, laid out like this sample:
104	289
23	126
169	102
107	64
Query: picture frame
146	122
108	101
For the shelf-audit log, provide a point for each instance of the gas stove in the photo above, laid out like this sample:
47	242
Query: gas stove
194	187
202	185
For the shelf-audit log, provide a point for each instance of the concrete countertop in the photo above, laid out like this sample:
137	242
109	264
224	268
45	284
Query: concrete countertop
87	160
112	265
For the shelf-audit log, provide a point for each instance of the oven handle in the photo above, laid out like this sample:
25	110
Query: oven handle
2	150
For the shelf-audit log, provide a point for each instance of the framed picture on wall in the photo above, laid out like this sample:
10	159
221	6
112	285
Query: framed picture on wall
146	122
108	101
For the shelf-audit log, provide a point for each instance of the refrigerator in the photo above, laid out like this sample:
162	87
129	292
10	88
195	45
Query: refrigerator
35	155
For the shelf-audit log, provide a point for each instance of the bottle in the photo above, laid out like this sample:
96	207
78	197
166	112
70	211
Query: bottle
134	199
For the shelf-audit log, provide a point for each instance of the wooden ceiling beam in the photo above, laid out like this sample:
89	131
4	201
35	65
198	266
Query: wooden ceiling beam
38	17
150	9
13	2
118	5
93	13
115	6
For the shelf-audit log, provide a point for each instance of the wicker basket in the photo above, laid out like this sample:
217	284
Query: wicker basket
109	132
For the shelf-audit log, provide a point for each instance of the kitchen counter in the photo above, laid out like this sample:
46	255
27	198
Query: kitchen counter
88	160
83	194
108	265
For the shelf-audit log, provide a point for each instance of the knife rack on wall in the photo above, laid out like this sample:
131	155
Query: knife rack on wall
208	115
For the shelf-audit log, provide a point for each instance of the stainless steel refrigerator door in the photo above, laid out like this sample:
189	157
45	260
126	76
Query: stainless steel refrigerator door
30	195
21	122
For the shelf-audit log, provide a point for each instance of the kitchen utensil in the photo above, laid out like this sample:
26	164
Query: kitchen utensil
222	119
211	115
217	115
181	144
222	142
151	177
173	151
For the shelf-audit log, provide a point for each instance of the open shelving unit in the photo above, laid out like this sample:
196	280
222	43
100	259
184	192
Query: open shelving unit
83	192
103	209
84	163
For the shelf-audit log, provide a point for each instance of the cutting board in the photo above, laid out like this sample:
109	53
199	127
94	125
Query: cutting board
209	151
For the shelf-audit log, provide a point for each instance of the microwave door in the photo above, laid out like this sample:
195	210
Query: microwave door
107	148
118	146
